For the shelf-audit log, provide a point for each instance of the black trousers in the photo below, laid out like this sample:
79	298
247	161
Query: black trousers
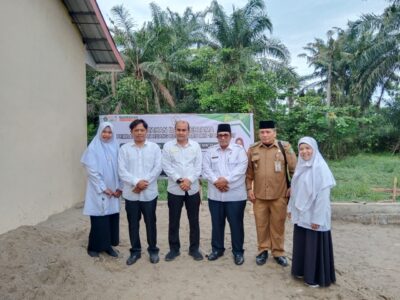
233	211
175	204
134	212
104	232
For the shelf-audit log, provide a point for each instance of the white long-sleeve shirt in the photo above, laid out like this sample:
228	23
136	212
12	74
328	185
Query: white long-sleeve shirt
139	163
96	202
319	212
231	164
182	162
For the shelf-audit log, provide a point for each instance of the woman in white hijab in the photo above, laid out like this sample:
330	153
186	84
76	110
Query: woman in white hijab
310	211
102	191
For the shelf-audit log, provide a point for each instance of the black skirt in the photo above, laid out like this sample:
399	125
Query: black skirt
104	232
313	256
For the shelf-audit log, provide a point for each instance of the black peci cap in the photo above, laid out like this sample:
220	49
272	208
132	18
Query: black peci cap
267	124
224	127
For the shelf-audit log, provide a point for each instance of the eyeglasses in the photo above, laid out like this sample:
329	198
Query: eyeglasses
223	135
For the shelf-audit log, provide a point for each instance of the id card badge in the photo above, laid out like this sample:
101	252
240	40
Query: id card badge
278	166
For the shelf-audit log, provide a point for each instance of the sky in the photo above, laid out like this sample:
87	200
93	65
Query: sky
295	22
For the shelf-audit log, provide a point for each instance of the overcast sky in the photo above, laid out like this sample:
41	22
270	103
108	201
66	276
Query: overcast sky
295	22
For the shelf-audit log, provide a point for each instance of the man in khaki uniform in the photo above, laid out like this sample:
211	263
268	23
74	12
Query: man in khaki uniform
268	190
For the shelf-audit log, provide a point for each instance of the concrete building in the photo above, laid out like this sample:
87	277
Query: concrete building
45	47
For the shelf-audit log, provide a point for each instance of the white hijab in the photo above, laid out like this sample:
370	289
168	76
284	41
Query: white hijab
102	157
310	177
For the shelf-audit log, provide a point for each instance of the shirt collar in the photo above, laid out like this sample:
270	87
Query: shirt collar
274	144
227	148
187	145
134	145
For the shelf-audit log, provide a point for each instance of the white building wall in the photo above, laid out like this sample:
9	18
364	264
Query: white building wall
42	111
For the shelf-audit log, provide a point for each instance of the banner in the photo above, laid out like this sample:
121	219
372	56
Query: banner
203	127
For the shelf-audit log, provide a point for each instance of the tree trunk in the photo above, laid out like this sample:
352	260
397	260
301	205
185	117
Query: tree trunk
156	99
113	83
290	99
378	103
329	86
117	108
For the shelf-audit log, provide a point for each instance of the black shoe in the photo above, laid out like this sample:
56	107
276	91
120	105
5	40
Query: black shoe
214	255
281	260
196	255
171	255
154	258
239	259
93	253
112	252
133	258
262	258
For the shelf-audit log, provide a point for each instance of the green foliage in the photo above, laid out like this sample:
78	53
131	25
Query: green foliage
163	193
354	63
91	132
134	96
340	131
178	63
99	98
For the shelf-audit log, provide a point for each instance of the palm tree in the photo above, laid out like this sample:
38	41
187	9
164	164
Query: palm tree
146	51
188	28
379	62
329	60
241	38
244	29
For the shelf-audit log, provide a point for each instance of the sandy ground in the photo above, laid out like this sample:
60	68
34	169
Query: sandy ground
49	261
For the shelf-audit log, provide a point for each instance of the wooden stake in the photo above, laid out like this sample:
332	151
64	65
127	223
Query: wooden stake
394	189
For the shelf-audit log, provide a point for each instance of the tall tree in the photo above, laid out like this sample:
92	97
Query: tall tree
245	29
146	51
326	58
379	62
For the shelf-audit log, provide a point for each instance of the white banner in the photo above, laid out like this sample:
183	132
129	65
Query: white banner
203	127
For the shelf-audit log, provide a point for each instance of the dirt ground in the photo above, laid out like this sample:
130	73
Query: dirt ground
49	261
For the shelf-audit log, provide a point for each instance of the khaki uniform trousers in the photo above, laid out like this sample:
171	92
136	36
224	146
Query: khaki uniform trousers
270	216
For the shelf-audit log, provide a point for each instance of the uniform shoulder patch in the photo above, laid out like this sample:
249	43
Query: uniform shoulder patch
255	144
285	143
288	148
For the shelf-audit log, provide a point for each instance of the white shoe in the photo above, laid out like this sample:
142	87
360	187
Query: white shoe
311	285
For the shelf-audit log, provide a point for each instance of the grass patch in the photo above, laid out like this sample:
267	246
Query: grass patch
162	189
357	175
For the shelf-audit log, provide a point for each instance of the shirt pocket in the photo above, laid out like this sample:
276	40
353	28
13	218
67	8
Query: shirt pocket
255	161
214	163
279	156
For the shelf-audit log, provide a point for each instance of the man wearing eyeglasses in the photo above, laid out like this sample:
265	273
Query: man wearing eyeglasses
224	167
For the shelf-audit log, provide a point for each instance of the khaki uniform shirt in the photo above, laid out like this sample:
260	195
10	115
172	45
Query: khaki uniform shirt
261	175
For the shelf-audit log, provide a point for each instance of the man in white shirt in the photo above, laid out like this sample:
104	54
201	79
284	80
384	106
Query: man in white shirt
181	161
139	165
224	167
